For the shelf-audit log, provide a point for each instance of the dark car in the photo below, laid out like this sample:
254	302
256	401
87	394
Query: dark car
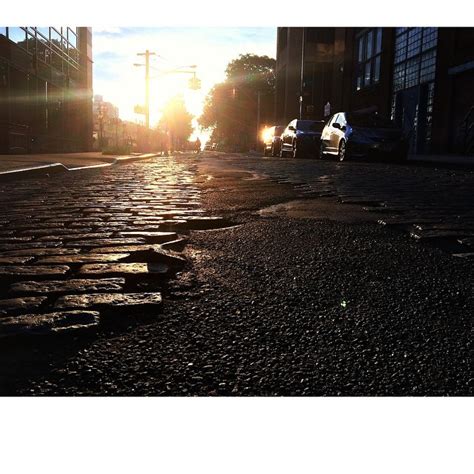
272	140
301	138
348	135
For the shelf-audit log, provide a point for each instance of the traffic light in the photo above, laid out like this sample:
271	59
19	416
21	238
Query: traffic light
194	83
140	109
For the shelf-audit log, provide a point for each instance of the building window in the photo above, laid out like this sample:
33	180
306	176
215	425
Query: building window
415	57
72	37
56	38
17	35
414	42
414	65
369	51
44	31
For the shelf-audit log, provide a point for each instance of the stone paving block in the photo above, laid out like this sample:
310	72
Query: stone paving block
76	285
115	302
14	260
87	236
12	272
150	253
40	252
13	240
30	245
104	242
84	258
166	225
20	305
50	323
152	237
46	232
124	269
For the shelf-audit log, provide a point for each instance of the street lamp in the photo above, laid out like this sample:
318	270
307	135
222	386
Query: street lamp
147	55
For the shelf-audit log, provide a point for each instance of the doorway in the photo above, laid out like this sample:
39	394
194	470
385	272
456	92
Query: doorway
411	116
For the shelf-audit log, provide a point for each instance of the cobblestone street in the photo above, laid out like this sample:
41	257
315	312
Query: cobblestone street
105	267
90	241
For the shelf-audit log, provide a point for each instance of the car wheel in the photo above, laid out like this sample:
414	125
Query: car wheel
342	155
321	151
296	151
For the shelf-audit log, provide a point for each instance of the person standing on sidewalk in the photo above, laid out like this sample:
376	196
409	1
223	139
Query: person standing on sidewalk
197	145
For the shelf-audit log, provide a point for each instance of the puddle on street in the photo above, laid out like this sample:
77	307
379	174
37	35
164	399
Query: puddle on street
320	209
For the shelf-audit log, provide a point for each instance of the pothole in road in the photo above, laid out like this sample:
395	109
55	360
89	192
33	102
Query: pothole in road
320	209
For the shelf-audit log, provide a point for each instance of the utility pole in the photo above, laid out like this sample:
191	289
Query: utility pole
258	118
303	44
147	55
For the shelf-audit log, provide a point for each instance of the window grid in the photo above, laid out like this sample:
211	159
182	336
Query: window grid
414	42
51	45
428	66
430	37
429	113
369	50
415	57
414	64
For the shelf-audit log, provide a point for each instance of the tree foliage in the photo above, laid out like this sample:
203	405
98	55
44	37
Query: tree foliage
177	122
231	107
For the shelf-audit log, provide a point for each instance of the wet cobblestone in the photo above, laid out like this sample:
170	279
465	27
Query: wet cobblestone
93	225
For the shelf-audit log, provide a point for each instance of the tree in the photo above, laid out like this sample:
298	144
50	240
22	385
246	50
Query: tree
177	122
230	109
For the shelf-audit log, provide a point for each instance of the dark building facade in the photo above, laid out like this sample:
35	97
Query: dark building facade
423	78
45	89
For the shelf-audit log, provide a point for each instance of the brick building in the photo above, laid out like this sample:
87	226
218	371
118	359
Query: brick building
45	89
423	78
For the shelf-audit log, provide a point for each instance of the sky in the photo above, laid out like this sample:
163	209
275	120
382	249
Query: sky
210	49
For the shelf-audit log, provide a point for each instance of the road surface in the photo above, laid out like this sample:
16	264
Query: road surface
315	278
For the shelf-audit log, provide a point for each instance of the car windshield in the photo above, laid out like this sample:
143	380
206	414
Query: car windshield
369	121
310	126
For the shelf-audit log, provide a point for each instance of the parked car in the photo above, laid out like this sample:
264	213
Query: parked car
272	140
349	135
301	138
208	146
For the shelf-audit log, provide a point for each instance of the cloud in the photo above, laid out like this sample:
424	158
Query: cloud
112	30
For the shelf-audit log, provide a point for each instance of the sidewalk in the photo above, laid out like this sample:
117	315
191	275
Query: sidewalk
13	164
457	160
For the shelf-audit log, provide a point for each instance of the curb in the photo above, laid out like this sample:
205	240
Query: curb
59	168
